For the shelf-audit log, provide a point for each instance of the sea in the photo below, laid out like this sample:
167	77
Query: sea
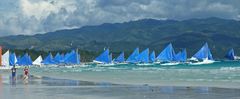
220	80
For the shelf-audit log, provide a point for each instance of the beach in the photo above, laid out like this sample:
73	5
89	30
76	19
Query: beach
216	81
46	88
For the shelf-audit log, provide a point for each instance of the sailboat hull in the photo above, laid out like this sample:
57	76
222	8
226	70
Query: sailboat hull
97	62
106	65
121	63
170	64
144	64
203	62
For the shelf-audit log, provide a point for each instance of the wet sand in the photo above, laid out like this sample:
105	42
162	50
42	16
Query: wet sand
52	88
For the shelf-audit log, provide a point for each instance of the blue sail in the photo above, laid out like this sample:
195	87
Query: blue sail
104	57
62	58
230	55
133	57
143	57
18	58
67	55
48	60
183	56
29	60
152	57
167	54
178	56
12	59
25	60
120	58
72	58
204	53
59	58
210	57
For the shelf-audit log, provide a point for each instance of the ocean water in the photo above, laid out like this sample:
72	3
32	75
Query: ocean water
224	74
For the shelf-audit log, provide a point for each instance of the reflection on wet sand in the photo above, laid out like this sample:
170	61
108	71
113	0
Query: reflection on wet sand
46	87
13	81
1	87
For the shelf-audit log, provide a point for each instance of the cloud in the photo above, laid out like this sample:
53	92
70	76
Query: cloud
40	16
41	9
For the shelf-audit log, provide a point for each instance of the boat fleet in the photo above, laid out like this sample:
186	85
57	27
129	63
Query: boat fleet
8	60
166	57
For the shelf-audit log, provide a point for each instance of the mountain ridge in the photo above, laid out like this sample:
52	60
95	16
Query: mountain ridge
221	34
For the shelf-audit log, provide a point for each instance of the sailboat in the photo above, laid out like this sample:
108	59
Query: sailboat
120	59
29	59
38	61
184	56
48	60
59	58
5	61
230	55
166	57
167	54
133	57
12	59
103	58
177	56
180	57
72	58
203	56
143	58
25	60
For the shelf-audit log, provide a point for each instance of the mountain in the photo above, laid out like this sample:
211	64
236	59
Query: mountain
221	34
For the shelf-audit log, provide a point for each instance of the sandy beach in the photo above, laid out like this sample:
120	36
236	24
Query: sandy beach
43	87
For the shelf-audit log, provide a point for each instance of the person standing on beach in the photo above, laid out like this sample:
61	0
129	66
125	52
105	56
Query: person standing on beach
25	73
14	70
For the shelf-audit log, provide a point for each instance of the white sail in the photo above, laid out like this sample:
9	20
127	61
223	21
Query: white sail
38	61
5	59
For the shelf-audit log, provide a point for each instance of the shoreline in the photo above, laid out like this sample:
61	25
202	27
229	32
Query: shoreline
161	84
54	78
235	85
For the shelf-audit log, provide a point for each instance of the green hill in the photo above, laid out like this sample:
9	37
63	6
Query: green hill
221	34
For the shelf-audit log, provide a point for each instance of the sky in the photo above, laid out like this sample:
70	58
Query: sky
30	17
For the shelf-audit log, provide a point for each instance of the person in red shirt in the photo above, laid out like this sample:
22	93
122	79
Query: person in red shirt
25	73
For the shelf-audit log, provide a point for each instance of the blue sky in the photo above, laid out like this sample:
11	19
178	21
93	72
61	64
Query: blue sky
30	17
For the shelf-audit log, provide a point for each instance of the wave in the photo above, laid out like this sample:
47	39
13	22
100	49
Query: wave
201	75
230	68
